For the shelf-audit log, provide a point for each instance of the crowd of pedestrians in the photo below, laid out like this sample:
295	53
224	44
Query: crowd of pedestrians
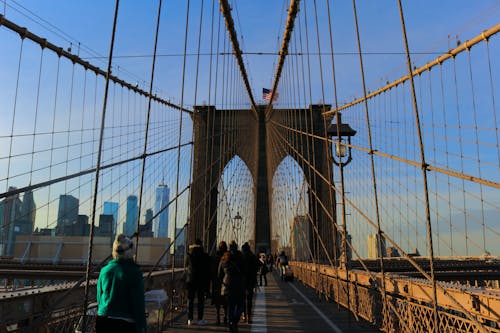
229	278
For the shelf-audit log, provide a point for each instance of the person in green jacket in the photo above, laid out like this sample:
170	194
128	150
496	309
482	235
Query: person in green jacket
120	292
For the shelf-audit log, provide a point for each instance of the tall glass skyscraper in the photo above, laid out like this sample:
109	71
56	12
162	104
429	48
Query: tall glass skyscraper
160	224
111	208
132	214
10	210
67	214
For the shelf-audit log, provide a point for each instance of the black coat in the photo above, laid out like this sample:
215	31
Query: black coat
232	272
251	267
197	268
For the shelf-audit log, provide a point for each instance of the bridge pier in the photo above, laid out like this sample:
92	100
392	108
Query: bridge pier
219	135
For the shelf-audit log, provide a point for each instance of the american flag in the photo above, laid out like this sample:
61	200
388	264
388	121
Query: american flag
266	94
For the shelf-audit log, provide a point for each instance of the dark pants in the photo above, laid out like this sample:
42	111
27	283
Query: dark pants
234	308
247	306
265	279
106	325
199	292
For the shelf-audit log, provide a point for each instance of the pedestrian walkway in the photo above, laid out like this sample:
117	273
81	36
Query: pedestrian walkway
287	307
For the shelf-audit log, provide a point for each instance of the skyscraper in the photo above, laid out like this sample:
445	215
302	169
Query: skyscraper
147	227
149	216
132	214
111	208
28	212
10	209
106	225
373	246
160	224
67	214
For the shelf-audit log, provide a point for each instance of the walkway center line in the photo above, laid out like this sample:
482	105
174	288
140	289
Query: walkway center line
259	321
318	311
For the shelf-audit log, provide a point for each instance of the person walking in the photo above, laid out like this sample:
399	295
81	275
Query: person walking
251	263
263	270
232	275
197	280
120	292
217	299
282	263
270	261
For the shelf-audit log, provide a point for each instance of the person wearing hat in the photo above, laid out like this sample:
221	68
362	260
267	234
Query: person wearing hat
120	292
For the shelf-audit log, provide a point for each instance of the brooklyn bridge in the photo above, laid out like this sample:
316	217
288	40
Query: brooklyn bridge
359	137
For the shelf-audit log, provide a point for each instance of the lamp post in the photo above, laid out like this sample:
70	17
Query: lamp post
237	226
340	133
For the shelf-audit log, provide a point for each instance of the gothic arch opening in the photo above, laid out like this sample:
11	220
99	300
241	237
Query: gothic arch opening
236	204
289	210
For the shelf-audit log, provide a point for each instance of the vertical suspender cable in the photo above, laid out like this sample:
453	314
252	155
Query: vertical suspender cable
192	147
372	162
208	161
342	199
146	134
179	139
424	170
14	114
98	169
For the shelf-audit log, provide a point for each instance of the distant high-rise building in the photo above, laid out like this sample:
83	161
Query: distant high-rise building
111	208
67	214
106	223
300	238
81	227
374	244
148	218
28	213
147	227
10	218
393	252
132	215
160	224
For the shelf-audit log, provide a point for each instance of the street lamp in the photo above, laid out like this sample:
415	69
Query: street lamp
237	225
342	132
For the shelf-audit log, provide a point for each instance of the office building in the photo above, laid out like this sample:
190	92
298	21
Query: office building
160	224
147	227
67	214
10	218
111	208
106	223
131	216
375	242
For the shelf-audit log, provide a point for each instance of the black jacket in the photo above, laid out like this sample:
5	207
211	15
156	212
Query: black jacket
197	268
251	267
232	272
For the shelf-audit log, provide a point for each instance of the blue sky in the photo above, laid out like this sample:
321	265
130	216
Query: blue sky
260	23
85	26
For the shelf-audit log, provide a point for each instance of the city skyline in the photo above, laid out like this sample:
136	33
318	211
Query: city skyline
18	217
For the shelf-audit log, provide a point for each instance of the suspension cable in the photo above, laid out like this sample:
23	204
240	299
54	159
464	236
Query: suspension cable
98	169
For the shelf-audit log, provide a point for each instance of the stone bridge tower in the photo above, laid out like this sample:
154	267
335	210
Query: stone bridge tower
219	135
